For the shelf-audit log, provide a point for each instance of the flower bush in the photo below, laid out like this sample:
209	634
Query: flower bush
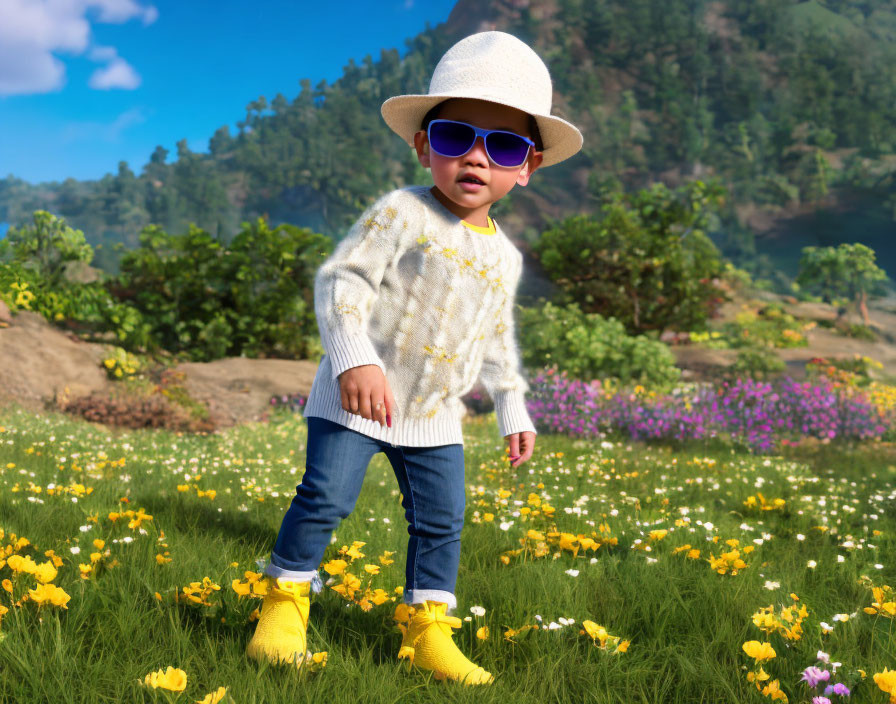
759	415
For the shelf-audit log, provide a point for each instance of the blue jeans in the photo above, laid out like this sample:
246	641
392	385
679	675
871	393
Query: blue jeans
431	480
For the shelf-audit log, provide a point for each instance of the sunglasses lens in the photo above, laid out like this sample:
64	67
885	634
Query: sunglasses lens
507	149
451	138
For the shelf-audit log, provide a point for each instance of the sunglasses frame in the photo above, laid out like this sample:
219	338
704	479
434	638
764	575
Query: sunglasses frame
479	132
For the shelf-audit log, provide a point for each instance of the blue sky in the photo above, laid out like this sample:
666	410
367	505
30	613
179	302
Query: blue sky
87	83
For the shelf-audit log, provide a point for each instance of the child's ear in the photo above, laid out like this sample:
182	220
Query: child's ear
532	163
421	144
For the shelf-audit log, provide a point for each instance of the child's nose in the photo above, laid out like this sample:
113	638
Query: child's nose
477	153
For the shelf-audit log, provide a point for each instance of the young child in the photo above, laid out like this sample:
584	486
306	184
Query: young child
413	306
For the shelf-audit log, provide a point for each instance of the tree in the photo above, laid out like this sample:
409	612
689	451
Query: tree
847	270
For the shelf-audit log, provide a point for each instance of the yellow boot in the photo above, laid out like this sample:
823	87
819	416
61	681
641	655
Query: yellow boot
283	624
428	644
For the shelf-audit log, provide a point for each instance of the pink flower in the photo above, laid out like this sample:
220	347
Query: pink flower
820	700
838	688
813	675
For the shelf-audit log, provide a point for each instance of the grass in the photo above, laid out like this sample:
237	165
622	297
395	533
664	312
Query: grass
685	621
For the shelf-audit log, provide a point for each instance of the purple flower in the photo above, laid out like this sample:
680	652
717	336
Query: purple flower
820	700
838	688
813	675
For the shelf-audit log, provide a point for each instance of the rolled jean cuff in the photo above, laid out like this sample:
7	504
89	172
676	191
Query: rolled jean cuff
418	596
309	576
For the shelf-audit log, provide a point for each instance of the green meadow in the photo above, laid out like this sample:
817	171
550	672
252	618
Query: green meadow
669	554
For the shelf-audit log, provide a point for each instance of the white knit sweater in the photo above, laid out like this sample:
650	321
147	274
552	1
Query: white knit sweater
415	290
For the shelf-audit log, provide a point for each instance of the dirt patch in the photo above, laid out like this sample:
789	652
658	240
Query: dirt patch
238	389
43	367
38	361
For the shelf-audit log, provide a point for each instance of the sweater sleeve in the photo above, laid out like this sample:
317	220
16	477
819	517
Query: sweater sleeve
501	369
347	284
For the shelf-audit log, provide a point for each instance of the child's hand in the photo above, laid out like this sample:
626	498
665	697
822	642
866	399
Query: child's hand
364	387
520	446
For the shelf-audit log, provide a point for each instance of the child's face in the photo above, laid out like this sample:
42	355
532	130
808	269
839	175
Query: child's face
498	180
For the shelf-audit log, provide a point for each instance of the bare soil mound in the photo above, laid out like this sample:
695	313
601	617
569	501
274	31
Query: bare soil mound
43	367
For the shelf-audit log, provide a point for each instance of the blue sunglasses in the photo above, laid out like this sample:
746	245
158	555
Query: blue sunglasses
452	139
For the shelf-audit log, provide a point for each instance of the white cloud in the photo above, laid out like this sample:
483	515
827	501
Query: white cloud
118	73
102	131
31	31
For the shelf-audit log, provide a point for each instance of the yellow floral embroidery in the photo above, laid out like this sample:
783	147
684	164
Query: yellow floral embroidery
349	310
373	222
439	353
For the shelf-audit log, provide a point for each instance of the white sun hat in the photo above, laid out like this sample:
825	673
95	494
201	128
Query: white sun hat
497	67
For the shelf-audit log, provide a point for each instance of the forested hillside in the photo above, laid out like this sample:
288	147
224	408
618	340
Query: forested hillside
789	104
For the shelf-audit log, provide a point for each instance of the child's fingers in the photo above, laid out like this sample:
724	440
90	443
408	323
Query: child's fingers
379	408
391	408
347	401
364	405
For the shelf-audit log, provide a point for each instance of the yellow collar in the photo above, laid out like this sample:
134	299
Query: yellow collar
490	230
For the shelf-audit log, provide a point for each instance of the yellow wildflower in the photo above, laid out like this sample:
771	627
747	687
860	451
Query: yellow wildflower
354	551
45	572
773	690
213	697
172	679
886	680
18	563
760	676
241	588
334	567
49	593
595	632
759	651
880	605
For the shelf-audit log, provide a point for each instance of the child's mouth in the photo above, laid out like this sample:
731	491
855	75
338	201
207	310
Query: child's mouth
471	183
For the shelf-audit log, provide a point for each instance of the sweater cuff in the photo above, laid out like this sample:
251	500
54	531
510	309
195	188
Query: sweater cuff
510	411
347	351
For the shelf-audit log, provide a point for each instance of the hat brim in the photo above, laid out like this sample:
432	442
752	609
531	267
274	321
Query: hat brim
404	115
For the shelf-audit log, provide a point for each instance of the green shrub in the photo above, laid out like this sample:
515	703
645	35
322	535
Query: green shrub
589	347
757	363
768	326
645	261
89	309
120	364
860	332
253	297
